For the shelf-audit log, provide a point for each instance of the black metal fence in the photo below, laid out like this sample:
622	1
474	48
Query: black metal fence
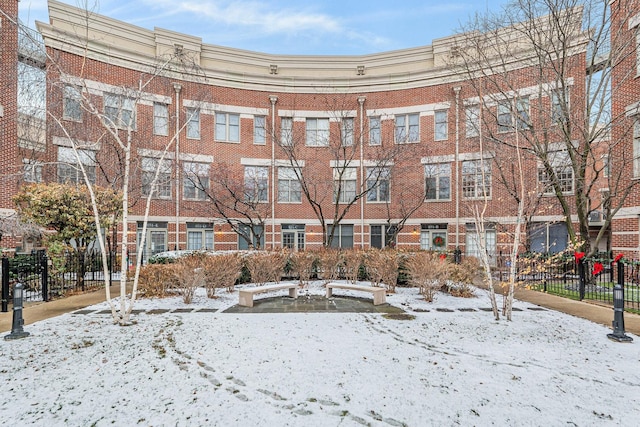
581	279
44	277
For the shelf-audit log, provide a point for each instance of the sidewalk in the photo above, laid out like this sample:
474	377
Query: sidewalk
34	312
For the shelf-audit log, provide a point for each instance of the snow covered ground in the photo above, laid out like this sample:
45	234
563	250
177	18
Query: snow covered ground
320	369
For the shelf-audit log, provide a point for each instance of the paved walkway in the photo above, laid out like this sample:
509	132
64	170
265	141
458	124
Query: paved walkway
34	312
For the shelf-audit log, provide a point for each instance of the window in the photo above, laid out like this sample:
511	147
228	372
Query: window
433	237
606	166
472	121
293	236
476	179
560	163
199	236
193	123
559	104
155	239
72	108
31	170
437	181
638	50
342	236
548	237
120	110
256	183
195	181
160	119
69	170
259	130
522	109
227	127
346	132
636	149
505	121
441	129
317	132
383	236
378	185
288	186
344	180
374	131
474	244
286	131
407	128
162	187
253	234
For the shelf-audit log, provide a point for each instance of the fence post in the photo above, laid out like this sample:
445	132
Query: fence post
5	284
45	277
581	274
618	309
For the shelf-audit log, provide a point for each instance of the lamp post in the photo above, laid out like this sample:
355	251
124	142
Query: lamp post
618	309
17	331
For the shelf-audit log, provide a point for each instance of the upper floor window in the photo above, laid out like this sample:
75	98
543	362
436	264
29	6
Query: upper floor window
636	149
476	179
195	180
346	131
374	131
256	183
289	190
606	166
505	120
441	128
193	123
72	103
120	110
227	127
378	185
472	121
437	181
561	175
69	165
259	130
523	121
162	187
317	132
31	170
160	119
286	131
407	128
344	184
559	106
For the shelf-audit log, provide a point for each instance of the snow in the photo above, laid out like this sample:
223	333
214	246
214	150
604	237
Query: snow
320	369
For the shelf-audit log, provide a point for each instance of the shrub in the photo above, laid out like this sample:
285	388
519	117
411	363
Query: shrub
266	266
221	271
302	264
382	267
462	277
156	280
189	274
329	263
352	264
426	271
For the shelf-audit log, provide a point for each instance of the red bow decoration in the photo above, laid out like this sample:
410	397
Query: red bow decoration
618	257
597	268
443	257
578	255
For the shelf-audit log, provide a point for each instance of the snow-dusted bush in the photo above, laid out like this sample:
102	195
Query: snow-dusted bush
382	267
221	271
330	262
266	266
462	277
156	280
302	264
190	275
352	263
427	271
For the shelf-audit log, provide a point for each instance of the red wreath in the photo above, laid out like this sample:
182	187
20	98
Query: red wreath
578	255
438	241
618	257
597	268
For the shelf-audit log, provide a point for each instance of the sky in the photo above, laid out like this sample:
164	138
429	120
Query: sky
319	27
197	365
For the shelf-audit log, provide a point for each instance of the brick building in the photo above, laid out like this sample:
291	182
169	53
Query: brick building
395	148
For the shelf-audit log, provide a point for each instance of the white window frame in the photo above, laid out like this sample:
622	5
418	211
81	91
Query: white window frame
72	103
120	110
340	235
193	123
259	130
227	127
636	148
378	185
472	179
68	169
204	232
160	119
440	125
286	131
31	170
195	171
437	171
318	133
162	188
504	117
472	121
256	184
407	129
289	188
346	184
523	113
557	114
561	164
375	130
472	243
346	131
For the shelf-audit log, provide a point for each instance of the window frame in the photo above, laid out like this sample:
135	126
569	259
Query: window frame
193	123
636	148
375	131
561	165
163	186
197	170
472	122
316	136
114	110
481	189
440	127
288	175
340	236
441	171
346	183
32	170
72	96
68	172
258	177
376	190
259	130
159	128
406	131
347	131
224	129
504	117
286	131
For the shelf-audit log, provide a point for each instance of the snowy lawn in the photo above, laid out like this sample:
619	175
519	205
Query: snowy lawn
320	369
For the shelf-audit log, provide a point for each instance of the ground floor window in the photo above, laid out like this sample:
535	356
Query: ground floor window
293	236
548	237
199	236
383	236
155	239
251	237
433	237
342	236
474	241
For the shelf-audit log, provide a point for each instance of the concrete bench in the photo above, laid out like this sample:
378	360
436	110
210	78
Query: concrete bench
246	295
379	294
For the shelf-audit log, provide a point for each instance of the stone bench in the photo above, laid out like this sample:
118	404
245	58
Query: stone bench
379	294
246	295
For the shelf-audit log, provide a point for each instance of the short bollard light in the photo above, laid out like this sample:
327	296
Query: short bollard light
618	308
17	331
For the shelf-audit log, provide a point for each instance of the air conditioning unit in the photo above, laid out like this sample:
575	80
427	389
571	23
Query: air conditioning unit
596	217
